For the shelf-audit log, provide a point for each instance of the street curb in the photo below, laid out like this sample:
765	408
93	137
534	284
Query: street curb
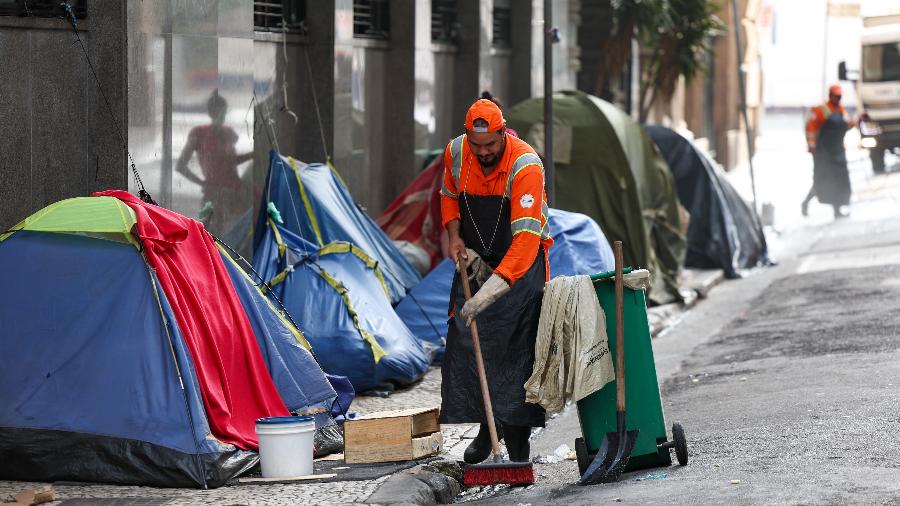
696	286
702	280
425	485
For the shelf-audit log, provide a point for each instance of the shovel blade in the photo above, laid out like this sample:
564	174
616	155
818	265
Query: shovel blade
611	459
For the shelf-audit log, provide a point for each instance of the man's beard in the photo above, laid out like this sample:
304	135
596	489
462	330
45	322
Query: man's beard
491	161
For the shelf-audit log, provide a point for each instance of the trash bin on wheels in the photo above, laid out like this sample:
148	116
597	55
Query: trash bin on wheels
597	412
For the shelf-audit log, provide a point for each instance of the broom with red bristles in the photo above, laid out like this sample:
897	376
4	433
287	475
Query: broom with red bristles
499	471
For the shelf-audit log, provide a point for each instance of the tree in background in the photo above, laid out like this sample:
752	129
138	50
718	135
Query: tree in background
676	33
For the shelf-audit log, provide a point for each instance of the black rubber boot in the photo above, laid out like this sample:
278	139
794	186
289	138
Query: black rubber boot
516	437
480	447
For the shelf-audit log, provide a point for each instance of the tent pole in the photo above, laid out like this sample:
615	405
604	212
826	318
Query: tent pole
743	91
201	470
548	101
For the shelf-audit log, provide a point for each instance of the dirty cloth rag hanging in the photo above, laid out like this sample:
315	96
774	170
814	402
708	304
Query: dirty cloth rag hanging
572	358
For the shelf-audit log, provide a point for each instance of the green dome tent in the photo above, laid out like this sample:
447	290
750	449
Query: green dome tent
607	168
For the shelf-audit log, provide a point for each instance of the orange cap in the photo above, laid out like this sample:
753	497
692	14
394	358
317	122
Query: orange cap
488	111
835	89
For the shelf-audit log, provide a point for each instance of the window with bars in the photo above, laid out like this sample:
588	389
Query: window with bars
371	19
42	8
287	16
502	37
444	27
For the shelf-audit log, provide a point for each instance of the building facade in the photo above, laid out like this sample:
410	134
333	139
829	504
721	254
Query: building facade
59	139
201	91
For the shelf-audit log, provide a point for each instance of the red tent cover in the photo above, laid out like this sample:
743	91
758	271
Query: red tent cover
415	215
234	381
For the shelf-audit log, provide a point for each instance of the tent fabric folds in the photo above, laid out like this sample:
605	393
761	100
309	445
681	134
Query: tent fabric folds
415	215
334	294
724	232
607	168
315	205
100	382
235	383
295	372
579	247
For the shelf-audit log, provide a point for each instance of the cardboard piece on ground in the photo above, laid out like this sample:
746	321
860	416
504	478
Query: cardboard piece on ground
31	496
390	436
308	477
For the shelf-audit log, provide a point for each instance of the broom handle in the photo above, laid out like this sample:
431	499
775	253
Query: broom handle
479	363
620	329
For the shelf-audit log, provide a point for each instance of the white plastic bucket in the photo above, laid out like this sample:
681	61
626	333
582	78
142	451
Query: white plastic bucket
286	446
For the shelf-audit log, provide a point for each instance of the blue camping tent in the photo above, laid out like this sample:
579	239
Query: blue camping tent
97	382
579	247
336	296
316	206
297	375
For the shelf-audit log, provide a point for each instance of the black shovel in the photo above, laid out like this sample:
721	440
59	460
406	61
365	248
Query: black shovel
616	448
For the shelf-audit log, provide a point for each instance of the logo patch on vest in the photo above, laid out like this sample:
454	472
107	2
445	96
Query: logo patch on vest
526	201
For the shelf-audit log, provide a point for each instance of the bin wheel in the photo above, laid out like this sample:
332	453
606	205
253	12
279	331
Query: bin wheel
681	452
581	455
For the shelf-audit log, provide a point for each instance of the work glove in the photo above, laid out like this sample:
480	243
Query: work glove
494	288
477	268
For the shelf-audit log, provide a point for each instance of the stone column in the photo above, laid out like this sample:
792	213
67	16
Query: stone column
320	49
473	66
58	137
399	128
107	162
520	62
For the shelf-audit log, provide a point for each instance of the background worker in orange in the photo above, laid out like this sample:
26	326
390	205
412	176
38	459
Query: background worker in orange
825	129
494	207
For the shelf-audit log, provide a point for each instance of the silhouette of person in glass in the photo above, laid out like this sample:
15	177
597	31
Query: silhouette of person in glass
223	191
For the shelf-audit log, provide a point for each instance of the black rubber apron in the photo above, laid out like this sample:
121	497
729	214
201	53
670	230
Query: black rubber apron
831	178
507	329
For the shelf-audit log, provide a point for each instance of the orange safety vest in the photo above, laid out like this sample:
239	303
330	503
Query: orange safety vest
817	117
519	178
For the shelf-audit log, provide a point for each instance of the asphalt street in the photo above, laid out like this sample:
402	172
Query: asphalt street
786	381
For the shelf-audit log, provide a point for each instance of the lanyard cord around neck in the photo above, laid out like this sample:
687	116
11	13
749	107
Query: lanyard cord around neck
485	249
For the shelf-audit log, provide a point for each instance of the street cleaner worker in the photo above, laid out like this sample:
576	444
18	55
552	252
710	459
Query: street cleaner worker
495	210
825	129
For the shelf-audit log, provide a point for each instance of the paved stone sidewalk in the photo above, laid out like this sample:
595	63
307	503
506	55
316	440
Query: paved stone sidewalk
347	492
424	394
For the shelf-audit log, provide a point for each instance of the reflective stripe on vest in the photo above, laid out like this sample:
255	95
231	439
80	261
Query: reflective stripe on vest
545	214
446	191
533	225
530	225
524	160
456	149
526	224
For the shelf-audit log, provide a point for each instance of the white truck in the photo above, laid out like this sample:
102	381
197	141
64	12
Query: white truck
878	85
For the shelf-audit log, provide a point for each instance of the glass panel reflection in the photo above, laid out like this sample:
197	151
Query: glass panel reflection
224	197
191	126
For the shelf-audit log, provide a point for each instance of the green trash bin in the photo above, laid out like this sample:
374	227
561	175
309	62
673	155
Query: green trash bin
643	407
